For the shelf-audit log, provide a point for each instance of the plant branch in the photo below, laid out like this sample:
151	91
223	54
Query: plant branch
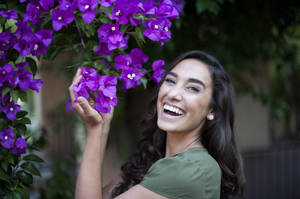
80	34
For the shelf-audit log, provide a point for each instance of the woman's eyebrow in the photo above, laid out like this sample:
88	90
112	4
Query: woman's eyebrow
194	80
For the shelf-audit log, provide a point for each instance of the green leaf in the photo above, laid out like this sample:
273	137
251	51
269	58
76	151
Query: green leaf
21	191
14	95
20	128
16	195
138	35
25	177
28	166
144	81
11	24
24	120
4	165
22	95
4	176
107	10
210	5
5	91
104	19
33	63
21	114
33	158
139	16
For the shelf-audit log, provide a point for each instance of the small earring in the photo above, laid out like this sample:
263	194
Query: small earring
210	117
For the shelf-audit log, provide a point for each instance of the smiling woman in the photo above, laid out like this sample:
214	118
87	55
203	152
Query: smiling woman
188	148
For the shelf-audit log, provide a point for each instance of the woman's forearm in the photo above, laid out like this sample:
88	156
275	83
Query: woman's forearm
89	180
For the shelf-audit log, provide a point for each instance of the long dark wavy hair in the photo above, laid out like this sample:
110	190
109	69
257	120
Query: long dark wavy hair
217	135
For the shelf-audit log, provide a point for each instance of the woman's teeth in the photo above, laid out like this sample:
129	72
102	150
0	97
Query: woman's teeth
173	109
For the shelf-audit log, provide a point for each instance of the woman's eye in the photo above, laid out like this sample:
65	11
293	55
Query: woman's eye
170	80
194	89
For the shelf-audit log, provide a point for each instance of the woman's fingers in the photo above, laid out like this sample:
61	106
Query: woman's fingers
86	107
76	79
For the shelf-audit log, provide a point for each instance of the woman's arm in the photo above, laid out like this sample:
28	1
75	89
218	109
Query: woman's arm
89	180
97	125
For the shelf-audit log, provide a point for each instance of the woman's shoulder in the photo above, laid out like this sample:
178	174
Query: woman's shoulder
194	172
195	159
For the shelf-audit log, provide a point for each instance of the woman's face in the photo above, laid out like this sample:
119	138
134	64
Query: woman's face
184	97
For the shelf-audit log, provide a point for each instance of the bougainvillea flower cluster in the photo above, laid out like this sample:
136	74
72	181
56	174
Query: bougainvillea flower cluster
17	145
102	90
116	21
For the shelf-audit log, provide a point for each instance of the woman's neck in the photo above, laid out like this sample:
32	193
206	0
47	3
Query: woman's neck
180	142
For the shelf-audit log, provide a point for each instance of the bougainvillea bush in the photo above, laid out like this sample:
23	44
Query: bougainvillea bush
100	32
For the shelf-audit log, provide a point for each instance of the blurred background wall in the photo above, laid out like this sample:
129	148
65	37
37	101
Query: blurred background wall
258	42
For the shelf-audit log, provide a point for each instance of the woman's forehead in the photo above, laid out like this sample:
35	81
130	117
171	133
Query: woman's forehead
192	68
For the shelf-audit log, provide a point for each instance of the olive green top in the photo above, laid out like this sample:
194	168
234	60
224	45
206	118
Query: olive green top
192	174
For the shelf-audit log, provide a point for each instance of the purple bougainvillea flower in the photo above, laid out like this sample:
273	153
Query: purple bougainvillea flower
107	85
47	4
45	36
23	31
33	12
22	46
20	146
178	4
61	18
87	7
7	40
6	73
37	47
103	49
90	78
10	14
107	3
167	9
157	64
147	7
80	90
11	110
69	105
138	58
6	137
158	75
23	79
159	72
158	30
21	64
103	103
130	78
3	55
36	84
111	34
124	10
22	1
122	61
68	4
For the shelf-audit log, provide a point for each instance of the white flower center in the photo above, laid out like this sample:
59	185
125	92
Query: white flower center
67	6
3	72
86	7
38	7
166	29
156	26
35	46
111	98
127	63
59	18
11	109
113	28
131	76
5	138
118	12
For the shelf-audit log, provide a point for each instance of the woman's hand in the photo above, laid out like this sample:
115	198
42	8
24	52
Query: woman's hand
91	118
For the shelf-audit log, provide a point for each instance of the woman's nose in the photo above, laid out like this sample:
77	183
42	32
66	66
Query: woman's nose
175	93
